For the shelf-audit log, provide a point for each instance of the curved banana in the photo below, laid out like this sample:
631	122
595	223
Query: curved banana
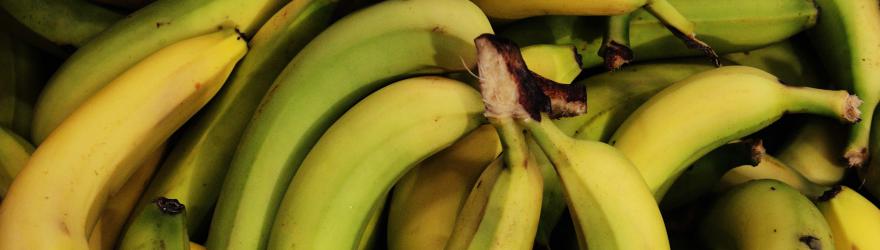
711	108
791	62
560	63
770	168
59	26
426	201
26	69
854	220
194	170
815	151
130	40
754	24
846	39
503	209
704	174
420	116
336	69
131	117
765	214
171	226
122	202
14	154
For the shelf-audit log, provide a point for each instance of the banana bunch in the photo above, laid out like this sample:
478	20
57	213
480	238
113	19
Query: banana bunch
411	124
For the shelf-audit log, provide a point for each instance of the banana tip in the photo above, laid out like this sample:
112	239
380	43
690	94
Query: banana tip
856	157
851	110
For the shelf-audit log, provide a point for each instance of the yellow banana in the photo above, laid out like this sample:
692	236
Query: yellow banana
118	126
854	220
14	154
770	168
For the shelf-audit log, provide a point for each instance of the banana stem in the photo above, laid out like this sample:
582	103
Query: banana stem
550	138
615	45
513	141
836	103
679	25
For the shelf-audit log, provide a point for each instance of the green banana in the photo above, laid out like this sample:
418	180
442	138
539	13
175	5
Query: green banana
765	214
14	154
426	201
26	69
711	108
854	220
125	4
815	151
420	116
791	62
559	63
770	168
58	26
171	226
132	39
846	38
704	174
341	65
194	171
754	24
503	209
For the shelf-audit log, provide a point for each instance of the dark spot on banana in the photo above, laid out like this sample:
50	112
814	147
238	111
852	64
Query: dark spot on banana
64	228
772	188
160	24
774	230
437	29
812	242
830	193
169	206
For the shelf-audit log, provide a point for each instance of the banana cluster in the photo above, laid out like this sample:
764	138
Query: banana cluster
411	124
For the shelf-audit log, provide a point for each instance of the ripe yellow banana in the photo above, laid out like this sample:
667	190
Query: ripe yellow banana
709	109
426	201
133	38
194	171
815	151
359	158
854	220
121	203
846	38
351	58
117	127
14	154
770	168
765	214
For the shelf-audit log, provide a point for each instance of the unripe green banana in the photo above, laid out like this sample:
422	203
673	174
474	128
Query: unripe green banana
341	65
703	175
330	198
770	168
503	209
846	38
58	26
711	108
787	60
171	225
194	171
426	200
854	220
101	142
765	214
815	151
26	70
130	40
754	24
14	154
560	63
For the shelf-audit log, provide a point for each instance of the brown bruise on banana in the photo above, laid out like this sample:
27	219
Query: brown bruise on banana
616	55
169	206
510	89
830	193
812	242
691	41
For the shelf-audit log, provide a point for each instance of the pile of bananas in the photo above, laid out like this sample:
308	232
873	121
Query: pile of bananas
439	124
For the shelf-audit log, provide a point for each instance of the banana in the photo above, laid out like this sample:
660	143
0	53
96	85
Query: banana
770	168
791	62
198	162
421	116
171	225
815	152
121	203
130	40
503	209
125	4
854	220
116	127
559	63
58	26
711	108
612	96
426	201
585	168
26	69
704	174
846	38
14	154
341	65
754	24
765	214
